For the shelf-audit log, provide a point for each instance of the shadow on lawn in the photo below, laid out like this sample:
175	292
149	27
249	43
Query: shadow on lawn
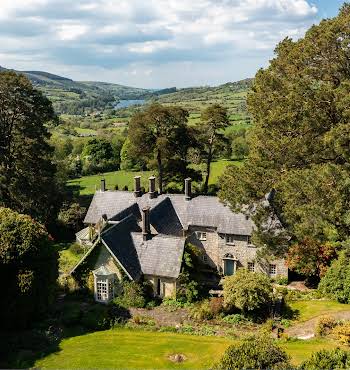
289	313
72	316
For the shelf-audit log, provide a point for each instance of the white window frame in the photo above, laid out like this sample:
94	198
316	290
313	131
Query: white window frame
201	235
272	266
230	239
104	288
251	266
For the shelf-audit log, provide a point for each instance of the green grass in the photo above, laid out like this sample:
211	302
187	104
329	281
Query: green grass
123	348
314	308
69	255
89	184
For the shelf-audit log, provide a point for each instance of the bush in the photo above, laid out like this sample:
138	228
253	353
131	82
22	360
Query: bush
248	291
254	353
281	280
201	311
336	282
342	333
324	325
216	305
132	295
234	319
327	360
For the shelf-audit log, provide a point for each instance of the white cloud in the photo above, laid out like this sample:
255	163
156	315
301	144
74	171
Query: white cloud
111	35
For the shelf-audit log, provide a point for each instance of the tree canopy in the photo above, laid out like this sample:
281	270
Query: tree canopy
28	269
300	141
26	171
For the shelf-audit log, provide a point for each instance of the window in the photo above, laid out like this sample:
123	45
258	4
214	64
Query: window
249	241
251	266
102	294
205	258
104	289
201	235
230	239
272	269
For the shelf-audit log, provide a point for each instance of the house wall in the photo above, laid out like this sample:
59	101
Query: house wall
105	259
167	285
216	248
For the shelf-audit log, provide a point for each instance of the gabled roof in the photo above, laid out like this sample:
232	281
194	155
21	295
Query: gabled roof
170	211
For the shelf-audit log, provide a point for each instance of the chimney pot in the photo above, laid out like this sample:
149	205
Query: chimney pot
137	186
103	185
146	225
152	187
188	189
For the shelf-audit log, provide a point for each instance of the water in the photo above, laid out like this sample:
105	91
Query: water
128	103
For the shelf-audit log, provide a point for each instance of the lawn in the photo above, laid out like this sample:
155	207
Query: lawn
123	348
89	184
314	308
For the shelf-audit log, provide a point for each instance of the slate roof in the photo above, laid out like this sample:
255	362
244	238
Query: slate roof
170	212
161	255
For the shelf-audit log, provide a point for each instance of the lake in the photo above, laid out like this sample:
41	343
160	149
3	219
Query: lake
128	103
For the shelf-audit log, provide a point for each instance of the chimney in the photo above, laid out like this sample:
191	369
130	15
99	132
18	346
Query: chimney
188	189
152	187
146	225
103	185
137	186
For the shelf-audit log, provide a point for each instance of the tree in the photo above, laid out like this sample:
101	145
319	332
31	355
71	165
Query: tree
127	160
299	143
160	136
27	182
336	282
256	352
311	258
247	291
28	269
211	137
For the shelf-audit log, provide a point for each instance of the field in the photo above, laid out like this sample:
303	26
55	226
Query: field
87	185
123	348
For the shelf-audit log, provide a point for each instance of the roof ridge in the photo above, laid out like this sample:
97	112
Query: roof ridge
124	220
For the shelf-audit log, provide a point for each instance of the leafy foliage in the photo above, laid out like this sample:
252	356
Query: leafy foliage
327	360
247	291
254	353
27	182
336	282
310	257
299	144
28	269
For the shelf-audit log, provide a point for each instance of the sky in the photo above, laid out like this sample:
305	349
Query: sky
152	43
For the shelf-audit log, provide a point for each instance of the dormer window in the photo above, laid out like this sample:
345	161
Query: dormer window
104	284
230	239
201	235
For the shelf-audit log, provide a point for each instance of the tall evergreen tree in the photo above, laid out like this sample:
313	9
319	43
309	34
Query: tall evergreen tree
26	170
300	143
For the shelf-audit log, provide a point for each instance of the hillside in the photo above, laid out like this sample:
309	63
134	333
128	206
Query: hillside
75	97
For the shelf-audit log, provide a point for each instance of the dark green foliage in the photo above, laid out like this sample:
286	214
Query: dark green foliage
336	282
299	144
28	269
211	138
327	360
254	353
248	291
128	161
71	216
27	175
133	295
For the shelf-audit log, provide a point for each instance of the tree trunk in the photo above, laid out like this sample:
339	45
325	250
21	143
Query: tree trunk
160	172
206	182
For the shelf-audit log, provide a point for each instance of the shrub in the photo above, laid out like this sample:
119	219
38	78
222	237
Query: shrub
201	311
132	295
216	305
254	353
342	333
336	282
234	319
71	314
281	280
324	325
248	291
327	360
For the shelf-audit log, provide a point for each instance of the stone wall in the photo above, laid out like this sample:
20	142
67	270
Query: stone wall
167	285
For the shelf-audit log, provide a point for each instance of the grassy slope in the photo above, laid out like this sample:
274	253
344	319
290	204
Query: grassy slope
89	184
122	348
310	309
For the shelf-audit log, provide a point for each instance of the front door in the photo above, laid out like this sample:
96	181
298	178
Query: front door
229	267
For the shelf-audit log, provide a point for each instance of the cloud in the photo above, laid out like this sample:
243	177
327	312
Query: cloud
151	35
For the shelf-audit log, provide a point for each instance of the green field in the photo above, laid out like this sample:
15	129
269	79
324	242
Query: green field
87	185
132	349
313	308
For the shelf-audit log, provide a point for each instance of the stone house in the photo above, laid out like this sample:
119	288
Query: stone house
144	235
